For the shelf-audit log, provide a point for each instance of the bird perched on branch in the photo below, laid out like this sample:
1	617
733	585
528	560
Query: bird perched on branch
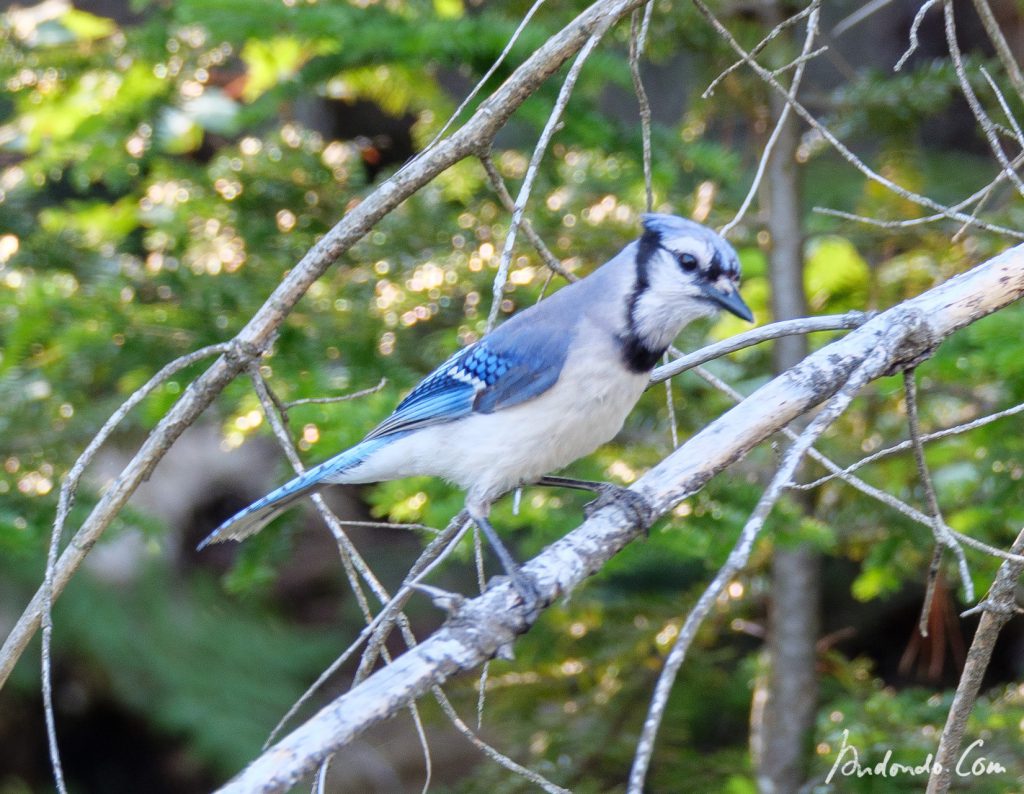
548	386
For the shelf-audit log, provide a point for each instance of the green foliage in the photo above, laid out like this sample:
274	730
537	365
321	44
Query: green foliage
180	657
867	726
157	180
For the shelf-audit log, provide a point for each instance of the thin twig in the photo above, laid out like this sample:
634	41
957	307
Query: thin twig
286	406
942	538
803	325
904	445
553	123
976	199
498	183
412	527
1010	117
800	59
489	750
912	48
858	16
65	501
481	582
673	420
635	51
482	81
812	31
737	560
1000	606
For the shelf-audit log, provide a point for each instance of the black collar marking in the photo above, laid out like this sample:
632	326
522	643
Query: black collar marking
637	355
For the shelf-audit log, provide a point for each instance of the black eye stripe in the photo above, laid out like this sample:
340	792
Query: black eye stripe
719	266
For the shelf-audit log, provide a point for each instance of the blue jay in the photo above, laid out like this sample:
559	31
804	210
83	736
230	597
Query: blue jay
548	386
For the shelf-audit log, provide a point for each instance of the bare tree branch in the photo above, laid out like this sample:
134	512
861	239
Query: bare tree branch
473	138
804	325
488	624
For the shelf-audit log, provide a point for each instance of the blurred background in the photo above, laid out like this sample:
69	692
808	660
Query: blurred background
163	164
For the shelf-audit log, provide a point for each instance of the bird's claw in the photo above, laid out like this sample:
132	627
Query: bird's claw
637	509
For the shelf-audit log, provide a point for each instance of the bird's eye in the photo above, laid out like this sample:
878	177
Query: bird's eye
688	262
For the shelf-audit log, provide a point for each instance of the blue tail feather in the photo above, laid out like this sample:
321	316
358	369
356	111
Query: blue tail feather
261	512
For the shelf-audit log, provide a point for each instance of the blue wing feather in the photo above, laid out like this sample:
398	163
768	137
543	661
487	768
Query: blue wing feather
485	377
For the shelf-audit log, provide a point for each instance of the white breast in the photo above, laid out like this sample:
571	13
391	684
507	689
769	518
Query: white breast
489	454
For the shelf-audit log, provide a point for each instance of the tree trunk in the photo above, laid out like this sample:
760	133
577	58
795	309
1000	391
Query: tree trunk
785	717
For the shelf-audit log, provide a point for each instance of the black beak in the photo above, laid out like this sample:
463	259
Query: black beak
729	300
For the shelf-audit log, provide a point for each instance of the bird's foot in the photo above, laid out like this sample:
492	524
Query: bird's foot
522	584
637	509
527	592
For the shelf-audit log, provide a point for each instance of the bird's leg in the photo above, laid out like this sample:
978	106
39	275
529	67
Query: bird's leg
636	507
522	584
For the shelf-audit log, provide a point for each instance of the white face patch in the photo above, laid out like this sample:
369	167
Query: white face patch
673	298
